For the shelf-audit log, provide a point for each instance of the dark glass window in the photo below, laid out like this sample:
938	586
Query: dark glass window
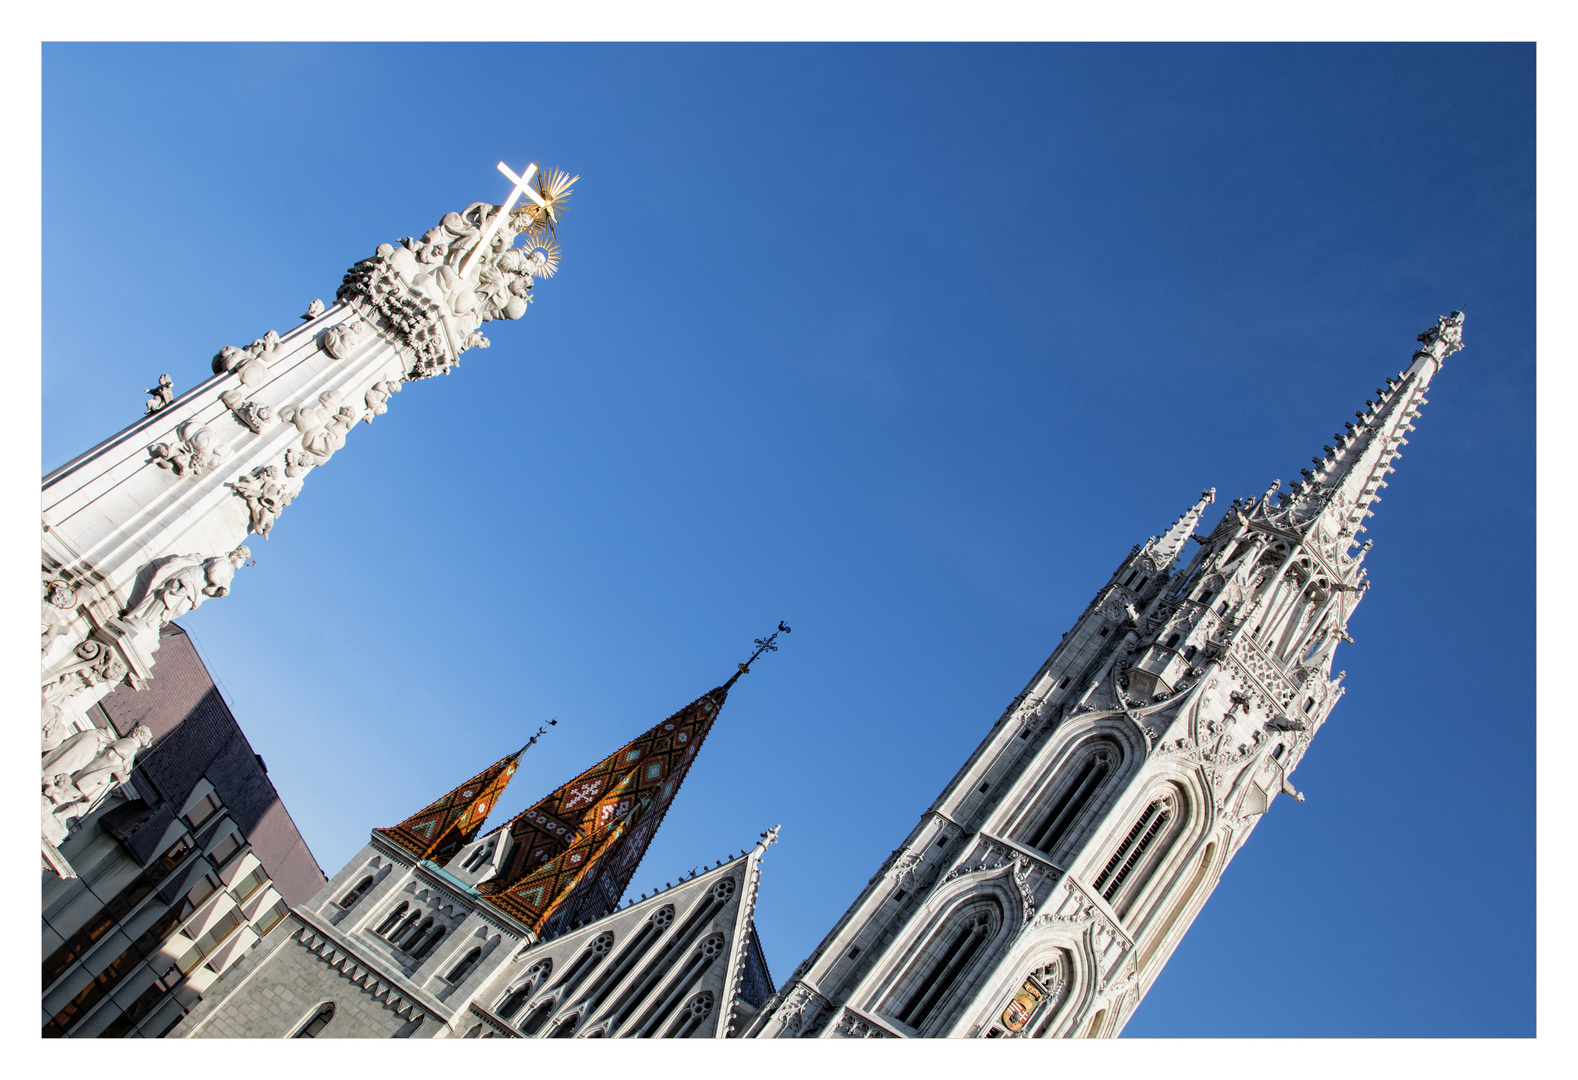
319	1021
206	808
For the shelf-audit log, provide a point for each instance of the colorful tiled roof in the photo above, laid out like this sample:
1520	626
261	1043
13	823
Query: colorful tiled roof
574	852
441	829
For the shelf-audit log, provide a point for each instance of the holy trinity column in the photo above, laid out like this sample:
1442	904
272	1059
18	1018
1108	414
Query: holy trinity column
152	522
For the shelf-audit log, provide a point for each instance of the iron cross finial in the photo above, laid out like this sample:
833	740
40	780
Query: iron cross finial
766	644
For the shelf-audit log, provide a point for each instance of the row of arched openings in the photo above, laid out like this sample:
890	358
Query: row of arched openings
649	955
417	935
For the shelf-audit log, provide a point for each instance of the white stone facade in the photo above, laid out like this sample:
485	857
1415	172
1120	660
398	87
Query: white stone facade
1044	890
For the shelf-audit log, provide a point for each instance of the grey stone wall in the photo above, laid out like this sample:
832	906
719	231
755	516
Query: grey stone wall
274	991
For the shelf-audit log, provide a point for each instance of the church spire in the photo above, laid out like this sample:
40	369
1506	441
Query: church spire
449	824
572	854
1166	548
1337	494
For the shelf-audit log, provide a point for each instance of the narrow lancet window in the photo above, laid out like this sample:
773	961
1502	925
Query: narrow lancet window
946	959
462	969
356	893
1086	777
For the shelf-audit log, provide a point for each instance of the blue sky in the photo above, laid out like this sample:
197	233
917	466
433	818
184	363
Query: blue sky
905	345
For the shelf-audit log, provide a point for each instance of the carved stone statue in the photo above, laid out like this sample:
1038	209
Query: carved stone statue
341	340
112	767
196	450
265	494
251	363
182	583
377	398
59	600
255	416
322	433
74	753
78	773
163	394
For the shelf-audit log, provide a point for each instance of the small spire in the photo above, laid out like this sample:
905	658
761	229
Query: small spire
1351	472
452	822
573	852
1165	549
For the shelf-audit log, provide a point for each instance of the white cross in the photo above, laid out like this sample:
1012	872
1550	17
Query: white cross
522	187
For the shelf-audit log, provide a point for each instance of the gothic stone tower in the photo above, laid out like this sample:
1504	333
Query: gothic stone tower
1043	891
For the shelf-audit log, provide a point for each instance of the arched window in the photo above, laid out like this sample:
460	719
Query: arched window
516	998
427	946
416	938
1171	641
479	855
696	1010
1142	849
1180	905
356	893
1054	977
462	969
702	958
404	928
539	1016
565	1029
1086	774
591	956
1189	652
317	1022
394	917
944	962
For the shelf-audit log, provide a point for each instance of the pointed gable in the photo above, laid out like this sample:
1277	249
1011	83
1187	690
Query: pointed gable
684	962
454	820
573	853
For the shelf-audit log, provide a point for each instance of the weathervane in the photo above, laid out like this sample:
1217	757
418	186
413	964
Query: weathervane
540	732
764	645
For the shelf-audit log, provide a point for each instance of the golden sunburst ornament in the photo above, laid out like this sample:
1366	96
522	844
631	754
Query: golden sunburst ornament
542	255
534	217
